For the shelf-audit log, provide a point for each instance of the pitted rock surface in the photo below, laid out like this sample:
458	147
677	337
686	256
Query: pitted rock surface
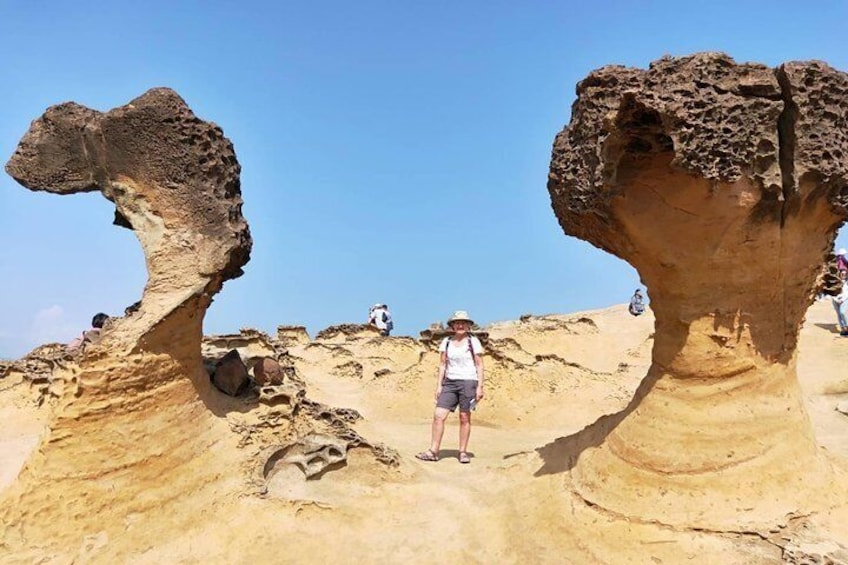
313	455
286	396
718	120
817	98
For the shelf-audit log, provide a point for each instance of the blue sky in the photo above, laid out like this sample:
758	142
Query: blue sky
391	151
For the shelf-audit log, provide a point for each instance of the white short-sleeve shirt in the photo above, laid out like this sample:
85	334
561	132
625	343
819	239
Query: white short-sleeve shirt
460	362
377	316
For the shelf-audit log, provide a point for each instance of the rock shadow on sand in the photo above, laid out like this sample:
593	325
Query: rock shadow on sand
562	454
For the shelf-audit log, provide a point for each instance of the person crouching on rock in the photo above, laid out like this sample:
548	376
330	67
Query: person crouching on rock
92	335
459	382
637	303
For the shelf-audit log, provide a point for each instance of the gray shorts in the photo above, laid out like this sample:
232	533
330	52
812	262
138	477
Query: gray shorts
457	392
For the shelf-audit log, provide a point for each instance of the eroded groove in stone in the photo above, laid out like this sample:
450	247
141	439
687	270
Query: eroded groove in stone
723	184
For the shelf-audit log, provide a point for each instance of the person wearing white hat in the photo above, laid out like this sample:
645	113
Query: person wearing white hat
380	317
371	312
637	303
459	382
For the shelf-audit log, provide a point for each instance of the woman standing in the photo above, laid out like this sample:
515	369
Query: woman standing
459	382
840	302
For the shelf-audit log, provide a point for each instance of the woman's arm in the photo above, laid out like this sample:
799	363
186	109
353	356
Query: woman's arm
478	363
440	374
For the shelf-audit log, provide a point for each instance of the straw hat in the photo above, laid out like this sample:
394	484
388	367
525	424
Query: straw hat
460	316
842	251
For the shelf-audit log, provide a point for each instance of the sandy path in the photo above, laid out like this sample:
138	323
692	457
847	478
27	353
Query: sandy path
823	374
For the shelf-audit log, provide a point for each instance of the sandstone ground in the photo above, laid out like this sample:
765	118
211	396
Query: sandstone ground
553	376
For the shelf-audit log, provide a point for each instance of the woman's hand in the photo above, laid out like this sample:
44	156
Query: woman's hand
438	393
479	394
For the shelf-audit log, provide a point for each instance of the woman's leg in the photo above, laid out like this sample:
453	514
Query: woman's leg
840	316
438	429
843	320
469	390
464	430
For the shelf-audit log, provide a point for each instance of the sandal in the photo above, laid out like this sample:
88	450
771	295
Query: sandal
427	455
463	457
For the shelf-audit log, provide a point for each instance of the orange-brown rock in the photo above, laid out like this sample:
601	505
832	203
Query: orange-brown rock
723	184
267	371
133	432
230	376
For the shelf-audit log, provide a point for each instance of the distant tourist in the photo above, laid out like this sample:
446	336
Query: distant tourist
91	335
840	302
637	303
380	317
371	312
387	318
842	260
459	382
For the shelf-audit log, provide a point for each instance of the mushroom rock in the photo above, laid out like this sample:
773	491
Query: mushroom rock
136	430
723	184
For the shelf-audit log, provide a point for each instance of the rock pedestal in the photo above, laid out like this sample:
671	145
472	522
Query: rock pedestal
723	184
135	431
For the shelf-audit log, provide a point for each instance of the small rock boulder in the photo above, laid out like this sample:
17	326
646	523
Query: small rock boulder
230	374
267	371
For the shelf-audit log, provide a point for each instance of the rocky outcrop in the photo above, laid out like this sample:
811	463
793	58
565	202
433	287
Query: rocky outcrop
828	282
345	331
133	428
38	365
284	427
723	184
358	351
289	336
140	439
251	344
433	336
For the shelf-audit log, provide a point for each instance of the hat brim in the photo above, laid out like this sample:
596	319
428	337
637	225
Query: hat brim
460	320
